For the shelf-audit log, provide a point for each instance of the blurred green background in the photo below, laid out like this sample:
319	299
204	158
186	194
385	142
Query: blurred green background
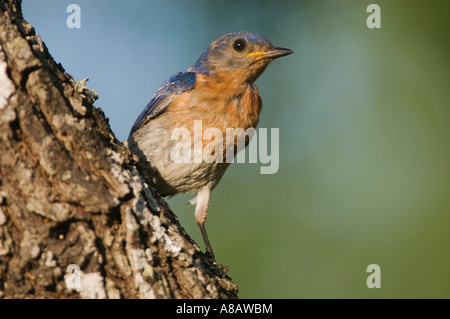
364	118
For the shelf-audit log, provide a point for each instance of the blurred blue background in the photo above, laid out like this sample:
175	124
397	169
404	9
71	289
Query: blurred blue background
364	120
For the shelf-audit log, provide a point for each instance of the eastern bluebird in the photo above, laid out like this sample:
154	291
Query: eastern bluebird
219	90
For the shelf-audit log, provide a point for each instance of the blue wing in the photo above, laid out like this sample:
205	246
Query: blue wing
172	88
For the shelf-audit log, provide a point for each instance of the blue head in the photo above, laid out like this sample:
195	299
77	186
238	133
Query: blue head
243	55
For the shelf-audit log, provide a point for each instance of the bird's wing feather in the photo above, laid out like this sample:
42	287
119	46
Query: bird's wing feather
171	89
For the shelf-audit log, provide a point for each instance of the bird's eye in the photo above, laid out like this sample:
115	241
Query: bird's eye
239	45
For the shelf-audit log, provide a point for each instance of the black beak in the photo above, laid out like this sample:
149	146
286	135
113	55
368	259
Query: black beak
277	52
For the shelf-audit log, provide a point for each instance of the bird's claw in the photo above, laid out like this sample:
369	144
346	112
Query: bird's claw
217	269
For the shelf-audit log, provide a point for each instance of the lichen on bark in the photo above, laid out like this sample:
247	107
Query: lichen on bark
72	194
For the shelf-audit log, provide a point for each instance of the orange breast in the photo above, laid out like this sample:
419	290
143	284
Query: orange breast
219	103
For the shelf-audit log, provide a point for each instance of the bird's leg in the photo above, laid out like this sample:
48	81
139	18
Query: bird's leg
202	201
209	251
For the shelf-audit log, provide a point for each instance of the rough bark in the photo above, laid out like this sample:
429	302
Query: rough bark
71	193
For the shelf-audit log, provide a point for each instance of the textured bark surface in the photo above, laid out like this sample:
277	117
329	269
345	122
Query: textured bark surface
71	193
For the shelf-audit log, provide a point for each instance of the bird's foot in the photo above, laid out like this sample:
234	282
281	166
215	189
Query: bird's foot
216	268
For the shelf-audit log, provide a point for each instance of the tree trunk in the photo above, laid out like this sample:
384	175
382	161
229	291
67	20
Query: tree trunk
78	214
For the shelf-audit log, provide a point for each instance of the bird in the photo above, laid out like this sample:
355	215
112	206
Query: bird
219	90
